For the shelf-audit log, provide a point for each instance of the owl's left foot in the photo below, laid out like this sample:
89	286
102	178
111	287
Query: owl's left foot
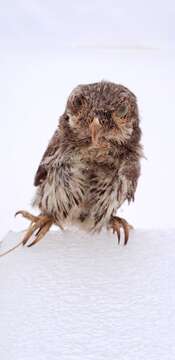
116	223
39	226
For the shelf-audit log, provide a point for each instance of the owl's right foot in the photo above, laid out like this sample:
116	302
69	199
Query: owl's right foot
39	226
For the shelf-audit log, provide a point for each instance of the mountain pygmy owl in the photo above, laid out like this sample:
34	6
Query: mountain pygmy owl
92	163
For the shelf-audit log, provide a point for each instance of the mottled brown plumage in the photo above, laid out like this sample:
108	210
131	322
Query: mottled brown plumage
92	163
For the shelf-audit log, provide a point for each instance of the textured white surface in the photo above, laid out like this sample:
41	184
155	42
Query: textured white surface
76	296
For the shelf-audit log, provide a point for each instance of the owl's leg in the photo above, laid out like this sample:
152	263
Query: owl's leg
39	226
116	223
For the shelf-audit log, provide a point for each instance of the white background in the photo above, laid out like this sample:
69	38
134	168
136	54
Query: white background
47	48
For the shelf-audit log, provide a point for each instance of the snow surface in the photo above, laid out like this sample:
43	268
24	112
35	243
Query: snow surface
75	296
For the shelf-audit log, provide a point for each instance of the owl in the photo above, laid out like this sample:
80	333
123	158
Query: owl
91	165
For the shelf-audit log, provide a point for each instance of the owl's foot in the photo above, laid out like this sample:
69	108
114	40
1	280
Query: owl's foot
116	223
39	226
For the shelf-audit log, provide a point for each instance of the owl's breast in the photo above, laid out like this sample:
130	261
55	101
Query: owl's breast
79	191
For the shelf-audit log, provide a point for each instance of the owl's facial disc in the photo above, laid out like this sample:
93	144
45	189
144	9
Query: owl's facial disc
101	113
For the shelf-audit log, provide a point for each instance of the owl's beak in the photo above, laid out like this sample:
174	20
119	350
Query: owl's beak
94	130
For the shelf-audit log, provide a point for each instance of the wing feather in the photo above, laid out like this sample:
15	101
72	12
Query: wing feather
41	173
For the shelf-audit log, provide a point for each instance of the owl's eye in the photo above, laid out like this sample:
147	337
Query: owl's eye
122	110
77	103
120	113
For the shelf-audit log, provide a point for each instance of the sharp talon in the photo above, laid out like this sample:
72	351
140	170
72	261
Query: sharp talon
35	239
126	231
29	233
40	234
27	215
116	223
118	234
17	213
39	226
21	212
125	227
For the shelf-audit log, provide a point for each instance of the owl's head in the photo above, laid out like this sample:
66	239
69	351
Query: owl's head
102	112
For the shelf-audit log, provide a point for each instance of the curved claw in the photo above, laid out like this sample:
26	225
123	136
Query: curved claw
116	224
126	231
117	229
40	234
27	215
39	226
125	227
29	233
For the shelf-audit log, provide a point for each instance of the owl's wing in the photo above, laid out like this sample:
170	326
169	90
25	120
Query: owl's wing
130	173
41	173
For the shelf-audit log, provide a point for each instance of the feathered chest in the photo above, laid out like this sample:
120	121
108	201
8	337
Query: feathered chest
84	168
82	186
